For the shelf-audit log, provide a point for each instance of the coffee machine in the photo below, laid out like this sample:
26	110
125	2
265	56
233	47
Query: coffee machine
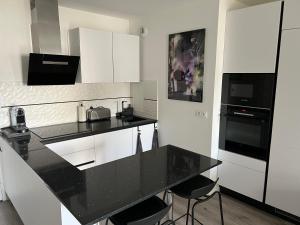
17	119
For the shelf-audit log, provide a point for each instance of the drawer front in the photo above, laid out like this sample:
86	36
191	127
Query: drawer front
87	166
71	146
81	157
244	161
242	180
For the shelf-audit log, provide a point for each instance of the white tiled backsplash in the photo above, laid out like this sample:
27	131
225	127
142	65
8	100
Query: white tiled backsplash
16	93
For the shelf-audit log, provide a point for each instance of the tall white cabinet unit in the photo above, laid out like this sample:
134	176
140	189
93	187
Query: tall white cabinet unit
291	14
106	57
252	39
283	188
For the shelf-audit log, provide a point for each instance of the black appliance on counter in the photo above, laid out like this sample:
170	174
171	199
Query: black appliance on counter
246	114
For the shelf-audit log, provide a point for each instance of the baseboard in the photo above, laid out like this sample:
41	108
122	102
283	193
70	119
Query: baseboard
262	206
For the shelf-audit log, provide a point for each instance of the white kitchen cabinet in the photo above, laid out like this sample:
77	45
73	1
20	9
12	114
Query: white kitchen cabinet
95	50
76	151
105	57
2	194
126	57
81	157
283	188
72	146
146	137
291	17
113	145
252	38
242	174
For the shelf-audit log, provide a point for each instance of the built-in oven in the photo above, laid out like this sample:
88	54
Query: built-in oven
246	114
251	90
245	131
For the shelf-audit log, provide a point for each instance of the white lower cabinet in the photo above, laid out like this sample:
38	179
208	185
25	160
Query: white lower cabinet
103	148
242	174
146	137
71	146
81	157
113	145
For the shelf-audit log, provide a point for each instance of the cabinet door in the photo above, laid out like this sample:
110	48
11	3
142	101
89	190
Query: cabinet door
72	146
146	137
291	17
283	189
126	55
242	174
95	49
252	39
113	146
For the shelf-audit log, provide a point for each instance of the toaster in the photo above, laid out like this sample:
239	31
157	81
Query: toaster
99	113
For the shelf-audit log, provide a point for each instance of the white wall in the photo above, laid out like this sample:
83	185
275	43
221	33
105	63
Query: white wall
15	39
178	125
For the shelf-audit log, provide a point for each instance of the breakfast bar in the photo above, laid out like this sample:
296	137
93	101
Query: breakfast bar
64	195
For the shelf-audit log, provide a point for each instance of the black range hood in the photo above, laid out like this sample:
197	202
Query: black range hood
45	69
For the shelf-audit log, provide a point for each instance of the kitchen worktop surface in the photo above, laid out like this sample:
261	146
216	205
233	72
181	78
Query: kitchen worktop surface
67	131
96	193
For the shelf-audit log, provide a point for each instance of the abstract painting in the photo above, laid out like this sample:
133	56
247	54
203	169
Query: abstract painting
186	65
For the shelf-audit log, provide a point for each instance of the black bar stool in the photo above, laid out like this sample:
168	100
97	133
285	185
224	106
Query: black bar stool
148	212
196	188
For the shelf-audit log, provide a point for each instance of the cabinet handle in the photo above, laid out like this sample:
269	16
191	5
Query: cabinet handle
243	114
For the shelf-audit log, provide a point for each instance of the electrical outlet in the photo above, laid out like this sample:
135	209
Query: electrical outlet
201	114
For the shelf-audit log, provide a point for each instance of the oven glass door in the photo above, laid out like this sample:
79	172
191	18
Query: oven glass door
245	134
254	90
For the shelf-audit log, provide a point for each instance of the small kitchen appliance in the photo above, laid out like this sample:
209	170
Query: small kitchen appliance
98	113
17	119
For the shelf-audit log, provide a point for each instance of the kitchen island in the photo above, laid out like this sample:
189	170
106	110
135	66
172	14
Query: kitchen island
39	180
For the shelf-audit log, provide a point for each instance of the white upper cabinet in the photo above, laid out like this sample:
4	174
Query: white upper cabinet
291	18
283	189
126	57
106	57
95	50
252	39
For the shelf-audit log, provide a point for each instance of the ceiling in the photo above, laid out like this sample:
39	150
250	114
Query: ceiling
255	2
125	8
121	7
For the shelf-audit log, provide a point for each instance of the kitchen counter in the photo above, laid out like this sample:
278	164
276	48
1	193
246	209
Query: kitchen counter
96	193
68	131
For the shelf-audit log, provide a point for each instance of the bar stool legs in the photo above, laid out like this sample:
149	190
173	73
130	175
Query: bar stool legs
198	201
221	207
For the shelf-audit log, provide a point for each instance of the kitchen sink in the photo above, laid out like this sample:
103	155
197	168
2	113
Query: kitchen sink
133	119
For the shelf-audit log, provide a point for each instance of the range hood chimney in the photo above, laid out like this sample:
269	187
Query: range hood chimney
47	65
45	29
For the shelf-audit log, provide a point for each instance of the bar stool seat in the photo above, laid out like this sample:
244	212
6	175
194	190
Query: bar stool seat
194	187
198	189
148	212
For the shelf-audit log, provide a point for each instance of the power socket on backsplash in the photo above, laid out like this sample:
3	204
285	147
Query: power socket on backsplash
201	114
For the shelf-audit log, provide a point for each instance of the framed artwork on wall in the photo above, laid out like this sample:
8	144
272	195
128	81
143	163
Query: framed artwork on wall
186	65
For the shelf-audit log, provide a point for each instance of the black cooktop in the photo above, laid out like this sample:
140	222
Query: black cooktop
77	130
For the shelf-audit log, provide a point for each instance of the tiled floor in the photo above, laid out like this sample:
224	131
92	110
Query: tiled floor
235	213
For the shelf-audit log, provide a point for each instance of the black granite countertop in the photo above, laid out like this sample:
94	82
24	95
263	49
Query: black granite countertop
67	131
94	194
